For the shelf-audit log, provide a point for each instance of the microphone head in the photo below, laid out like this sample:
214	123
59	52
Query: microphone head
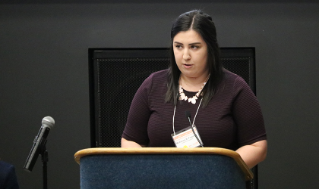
187	114
48	121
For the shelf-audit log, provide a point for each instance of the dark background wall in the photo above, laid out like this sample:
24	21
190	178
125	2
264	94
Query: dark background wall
44	71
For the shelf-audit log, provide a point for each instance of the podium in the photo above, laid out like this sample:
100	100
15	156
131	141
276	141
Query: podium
161	168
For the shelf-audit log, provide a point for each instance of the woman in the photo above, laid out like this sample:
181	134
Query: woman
225	111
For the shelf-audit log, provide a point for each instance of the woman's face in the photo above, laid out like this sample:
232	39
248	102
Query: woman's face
190	52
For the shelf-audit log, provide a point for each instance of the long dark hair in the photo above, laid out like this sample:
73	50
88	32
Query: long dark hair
203	24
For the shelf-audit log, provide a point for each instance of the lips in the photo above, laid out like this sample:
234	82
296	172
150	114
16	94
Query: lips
187	65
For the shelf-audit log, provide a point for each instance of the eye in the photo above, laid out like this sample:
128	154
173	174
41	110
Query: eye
194	47
178	46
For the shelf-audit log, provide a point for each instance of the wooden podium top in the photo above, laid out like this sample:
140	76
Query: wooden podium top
205	150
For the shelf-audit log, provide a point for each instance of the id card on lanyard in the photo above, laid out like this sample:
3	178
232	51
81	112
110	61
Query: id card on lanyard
186	138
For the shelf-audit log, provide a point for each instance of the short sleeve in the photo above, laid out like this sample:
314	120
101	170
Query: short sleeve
247	114
138	116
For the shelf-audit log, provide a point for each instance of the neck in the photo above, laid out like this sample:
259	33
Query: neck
193	83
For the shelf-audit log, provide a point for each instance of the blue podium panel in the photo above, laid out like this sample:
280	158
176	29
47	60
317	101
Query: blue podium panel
160	171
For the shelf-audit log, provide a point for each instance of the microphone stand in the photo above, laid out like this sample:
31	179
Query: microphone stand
45	159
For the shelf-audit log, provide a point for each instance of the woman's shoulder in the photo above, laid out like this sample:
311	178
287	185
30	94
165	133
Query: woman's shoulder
161	74
236	85
233	78
155	79
158	77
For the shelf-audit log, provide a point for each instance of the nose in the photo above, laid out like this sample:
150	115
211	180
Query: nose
186	55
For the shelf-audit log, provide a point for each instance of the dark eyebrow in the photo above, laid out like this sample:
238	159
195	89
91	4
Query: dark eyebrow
196	43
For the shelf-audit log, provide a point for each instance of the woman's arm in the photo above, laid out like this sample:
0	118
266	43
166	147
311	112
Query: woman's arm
254	153
129	144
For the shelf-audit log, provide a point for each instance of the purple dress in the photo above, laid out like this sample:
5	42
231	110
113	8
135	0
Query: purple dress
232	119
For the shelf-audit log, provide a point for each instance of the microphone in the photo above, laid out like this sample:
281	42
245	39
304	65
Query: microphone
188	115
39	142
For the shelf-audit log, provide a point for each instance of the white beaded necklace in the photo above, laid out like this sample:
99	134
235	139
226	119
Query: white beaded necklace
192	100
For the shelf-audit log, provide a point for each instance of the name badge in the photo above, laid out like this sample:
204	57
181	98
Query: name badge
186	138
